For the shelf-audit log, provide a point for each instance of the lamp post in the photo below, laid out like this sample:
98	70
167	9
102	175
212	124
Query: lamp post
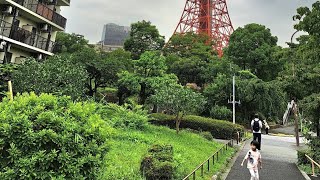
295	106
234	102
291	47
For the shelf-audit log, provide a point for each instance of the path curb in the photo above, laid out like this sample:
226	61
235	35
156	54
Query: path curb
305	175
233	160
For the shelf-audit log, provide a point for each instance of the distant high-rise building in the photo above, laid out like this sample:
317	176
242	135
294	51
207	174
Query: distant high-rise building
114	34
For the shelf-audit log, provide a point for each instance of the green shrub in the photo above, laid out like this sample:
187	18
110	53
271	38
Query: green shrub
302	159
128	116
207	135
158	163
48	137
221	112
218	128
314	145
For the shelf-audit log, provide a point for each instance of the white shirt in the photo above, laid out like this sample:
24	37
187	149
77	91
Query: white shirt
260	125
256	157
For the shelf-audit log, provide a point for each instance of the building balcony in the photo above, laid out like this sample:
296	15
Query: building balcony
26	37
44	11
63	2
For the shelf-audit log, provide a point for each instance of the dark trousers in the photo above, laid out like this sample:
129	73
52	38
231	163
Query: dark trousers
267	131
257	136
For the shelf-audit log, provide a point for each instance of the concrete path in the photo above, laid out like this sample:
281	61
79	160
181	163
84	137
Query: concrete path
289	130
279	155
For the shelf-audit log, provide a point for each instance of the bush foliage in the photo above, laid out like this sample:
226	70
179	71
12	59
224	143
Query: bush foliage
158	163
218	128
46	137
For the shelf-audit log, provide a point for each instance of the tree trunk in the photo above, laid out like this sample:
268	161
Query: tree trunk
318	129
155	109
178	122
91	92
143	93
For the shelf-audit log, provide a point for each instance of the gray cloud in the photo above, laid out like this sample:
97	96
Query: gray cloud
88	17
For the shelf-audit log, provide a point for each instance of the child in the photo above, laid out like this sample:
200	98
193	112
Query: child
254	159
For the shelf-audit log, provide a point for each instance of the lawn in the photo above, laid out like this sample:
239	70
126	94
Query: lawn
128	147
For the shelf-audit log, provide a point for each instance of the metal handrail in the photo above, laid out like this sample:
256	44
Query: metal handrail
213	157
24	36
240	136
313	163
44	11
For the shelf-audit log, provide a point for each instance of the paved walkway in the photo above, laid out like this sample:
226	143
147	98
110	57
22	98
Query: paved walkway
278	160
289	130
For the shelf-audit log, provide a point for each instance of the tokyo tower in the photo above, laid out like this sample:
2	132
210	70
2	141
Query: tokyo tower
208	17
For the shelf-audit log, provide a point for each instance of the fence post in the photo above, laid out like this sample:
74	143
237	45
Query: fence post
194	176
213	160
237	137
218	156
202	170
313	173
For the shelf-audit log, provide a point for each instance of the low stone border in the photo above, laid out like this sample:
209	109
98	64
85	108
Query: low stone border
224	175
304	174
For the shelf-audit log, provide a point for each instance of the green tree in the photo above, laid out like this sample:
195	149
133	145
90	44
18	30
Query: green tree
149	74
114	63
252	48
6	71
221	112
311	107
178	100
143	37
70	43
189	45
190	56
102	68
309	19
57	75
255	95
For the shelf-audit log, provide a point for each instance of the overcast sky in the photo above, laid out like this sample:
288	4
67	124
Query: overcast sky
87	17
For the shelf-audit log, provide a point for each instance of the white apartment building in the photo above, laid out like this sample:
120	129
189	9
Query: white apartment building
28	28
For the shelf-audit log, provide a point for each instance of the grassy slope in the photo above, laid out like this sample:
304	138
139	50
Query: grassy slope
128	148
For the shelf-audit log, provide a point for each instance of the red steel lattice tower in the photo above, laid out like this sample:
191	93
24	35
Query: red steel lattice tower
210	17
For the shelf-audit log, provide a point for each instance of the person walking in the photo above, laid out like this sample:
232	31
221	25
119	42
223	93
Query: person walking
267	127
253	157
256	126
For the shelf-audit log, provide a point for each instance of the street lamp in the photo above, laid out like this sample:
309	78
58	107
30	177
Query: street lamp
234	102
291	49
295	106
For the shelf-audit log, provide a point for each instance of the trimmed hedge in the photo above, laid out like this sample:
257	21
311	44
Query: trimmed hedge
218	128
158	163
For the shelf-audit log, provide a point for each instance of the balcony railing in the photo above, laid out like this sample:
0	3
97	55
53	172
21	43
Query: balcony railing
24	36
43	11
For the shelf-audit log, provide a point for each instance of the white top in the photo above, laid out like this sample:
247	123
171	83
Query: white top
266	124
255	157
260	125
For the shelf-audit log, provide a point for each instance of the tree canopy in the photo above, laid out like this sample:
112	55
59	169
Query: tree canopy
252	47
178	100
57	75
143	37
